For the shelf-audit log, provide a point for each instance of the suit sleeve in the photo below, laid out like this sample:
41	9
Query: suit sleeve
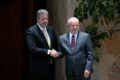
31	43
61	51
89	50
57	44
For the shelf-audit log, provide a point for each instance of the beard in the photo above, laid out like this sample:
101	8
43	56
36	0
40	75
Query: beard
44	25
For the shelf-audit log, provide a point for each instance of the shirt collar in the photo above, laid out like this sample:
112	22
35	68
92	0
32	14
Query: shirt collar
72	34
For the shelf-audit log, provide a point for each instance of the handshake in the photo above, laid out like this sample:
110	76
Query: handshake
53	53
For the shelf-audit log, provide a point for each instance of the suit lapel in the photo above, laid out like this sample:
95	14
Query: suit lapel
78	41
41	35
50	35
68	43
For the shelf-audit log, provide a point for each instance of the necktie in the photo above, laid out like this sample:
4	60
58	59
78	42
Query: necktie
73	41
47	37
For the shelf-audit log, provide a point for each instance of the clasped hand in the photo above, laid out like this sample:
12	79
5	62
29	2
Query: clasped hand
53	53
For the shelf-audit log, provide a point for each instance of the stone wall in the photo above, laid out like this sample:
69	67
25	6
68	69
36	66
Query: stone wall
109	66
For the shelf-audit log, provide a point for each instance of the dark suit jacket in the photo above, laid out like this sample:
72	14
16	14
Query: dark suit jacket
39	60
80	58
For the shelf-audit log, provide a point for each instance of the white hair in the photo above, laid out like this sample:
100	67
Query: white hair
71	19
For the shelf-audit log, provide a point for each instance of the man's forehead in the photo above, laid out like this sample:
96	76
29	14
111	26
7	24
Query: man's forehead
43	15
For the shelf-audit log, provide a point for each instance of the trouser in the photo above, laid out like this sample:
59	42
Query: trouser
41	77
44	76
49	76
77	77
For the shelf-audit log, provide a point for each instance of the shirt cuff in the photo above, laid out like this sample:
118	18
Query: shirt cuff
48	52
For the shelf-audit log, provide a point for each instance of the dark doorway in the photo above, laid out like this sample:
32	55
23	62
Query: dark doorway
29	19
15	17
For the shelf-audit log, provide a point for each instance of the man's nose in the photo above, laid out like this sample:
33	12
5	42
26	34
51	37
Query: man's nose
45	20
75	26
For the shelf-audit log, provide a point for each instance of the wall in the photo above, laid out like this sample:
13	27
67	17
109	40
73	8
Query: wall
108	67
60	11
57	12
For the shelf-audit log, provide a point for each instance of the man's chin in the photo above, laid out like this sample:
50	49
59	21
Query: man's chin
44	26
